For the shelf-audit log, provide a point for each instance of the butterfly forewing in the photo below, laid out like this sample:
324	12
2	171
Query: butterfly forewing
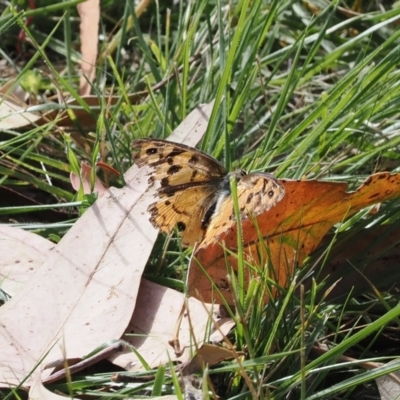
176	164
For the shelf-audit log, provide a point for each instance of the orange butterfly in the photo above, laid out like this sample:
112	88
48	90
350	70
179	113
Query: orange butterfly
194	191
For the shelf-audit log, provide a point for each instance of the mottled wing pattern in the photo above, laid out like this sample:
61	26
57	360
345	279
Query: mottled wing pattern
256	193
189	186
194	193
184	209
176	164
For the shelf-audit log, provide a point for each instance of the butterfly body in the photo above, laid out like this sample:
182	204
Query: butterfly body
194	190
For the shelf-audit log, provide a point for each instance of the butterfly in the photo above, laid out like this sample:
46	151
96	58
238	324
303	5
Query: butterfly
194	192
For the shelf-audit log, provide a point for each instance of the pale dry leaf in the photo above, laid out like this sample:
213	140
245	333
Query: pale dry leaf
60	117
92	276
39	392
191	130
389	385
153	324
89	13
13	91
84	293
14	115
208	355
22	253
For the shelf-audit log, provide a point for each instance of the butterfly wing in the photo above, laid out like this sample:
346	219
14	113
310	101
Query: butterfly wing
184	209
176	164
190	182
194	192
256	193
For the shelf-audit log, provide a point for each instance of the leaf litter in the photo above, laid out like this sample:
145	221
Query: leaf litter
102	259
83	292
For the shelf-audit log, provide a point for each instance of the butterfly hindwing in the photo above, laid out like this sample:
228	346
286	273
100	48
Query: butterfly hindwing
256	193
184	209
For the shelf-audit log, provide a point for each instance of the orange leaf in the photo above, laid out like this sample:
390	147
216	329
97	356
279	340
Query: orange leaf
291	230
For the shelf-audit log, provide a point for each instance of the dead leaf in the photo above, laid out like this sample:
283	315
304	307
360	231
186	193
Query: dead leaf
19	265
84	293
389	385
85	180
291	230
367	255
153	324
89	12
39	392
91	272
13	115
208	355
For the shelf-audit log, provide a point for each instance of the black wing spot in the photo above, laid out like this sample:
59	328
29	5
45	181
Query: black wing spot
181	226
249	198
170	160
271	193
164	182
174	169
151	150
175	152
167	203
194	173
193	160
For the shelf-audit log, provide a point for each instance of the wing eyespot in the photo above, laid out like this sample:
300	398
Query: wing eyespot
181	226
151	151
